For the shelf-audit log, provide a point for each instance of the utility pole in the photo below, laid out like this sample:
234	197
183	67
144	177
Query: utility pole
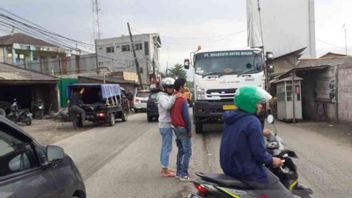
345	30
293	89
266	73
135	57
261	25
96	56
96	23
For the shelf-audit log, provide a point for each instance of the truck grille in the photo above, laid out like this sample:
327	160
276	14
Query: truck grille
224	94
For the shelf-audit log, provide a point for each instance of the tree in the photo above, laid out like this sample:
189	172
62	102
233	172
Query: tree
177	72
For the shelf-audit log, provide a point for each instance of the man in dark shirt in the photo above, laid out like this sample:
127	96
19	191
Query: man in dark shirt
74	108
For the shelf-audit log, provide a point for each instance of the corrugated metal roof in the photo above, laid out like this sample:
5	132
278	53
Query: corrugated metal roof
321	62
23	39
13	73
108	79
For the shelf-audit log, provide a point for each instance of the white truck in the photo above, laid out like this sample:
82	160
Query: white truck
217	75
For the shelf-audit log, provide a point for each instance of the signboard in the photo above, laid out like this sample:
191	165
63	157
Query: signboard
285	25
224	54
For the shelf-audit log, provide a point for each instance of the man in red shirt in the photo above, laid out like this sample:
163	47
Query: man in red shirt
182	123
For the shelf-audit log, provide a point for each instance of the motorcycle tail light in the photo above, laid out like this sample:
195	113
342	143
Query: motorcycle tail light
264	196
202	190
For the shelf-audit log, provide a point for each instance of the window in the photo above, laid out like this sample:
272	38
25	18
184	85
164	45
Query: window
143	94
110	50
125	48
289	92
138	46
146	48
15	155
141	70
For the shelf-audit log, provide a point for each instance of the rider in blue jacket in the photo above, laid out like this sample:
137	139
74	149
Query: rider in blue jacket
243	153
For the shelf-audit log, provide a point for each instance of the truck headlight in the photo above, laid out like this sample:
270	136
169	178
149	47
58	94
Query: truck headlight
200	93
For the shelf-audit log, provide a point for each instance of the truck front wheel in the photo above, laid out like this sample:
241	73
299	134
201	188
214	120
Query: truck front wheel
199	128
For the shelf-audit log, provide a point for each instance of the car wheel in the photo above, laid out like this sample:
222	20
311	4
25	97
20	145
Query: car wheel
199	128
29	122
112	119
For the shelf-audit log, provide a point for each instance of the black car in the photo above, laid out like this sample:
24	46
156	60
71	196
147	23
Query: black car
30	169
152	107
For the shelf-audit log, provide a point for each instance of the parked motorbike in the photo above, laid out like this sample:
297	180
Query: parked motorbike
19	115
214	185
38	109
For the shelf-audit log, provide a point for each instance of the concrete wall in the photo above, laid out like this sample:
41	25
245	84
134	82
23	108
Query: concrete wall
345	94
2	55
65	65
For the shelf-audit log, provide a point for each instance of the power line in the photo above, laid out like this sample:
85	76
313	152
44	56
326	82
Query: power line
44	29
330	44
52	36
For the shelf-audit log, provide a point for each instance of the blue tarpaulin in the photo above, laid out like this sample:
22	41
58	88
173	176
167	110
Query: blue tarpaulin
107	90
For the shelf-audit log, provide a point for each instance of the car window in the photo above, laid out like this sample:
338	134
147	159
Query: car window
15	155
143	94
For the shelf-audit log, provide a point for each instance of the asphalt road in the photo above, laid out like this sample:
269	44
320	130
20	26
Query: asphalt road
123	161
324	161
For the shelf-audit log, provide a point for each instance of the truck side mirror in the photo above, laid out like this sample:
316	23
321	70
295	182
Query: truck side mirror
186	63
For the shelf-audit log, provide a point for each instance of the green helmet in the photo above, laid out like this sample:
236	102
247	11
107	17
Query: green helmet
248	96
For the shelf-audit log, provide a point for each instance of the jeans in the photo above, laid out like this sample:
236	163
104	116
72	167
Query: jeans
166	146
184	145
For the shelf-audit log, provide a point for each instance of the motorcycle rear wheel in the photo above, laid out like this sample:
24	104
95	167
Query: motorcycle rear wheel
28	122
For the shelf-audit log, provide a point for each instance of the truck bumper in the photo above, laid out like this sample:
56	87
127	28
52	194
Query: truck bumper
205	111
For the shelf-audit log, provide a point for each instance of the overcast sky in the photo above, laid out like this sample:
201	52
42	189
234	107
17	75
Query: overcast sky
182	24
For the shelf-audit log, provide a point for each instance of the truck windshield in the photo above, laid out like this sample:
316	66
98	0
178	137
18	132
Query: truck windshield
229	62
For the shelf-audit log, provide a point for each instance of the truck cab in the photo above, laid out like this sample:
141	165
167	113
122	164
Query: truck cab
217	75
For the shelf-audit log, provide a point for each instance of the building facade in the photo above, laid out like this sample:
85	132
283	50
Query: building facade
116	54
28	52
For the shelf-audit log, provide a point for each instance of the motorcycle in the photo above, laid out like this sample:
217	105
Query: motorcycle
38	109
19	115
215	185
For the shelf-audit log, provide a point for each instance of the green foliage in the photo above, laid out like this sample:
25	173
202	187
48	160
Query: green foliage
177	72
